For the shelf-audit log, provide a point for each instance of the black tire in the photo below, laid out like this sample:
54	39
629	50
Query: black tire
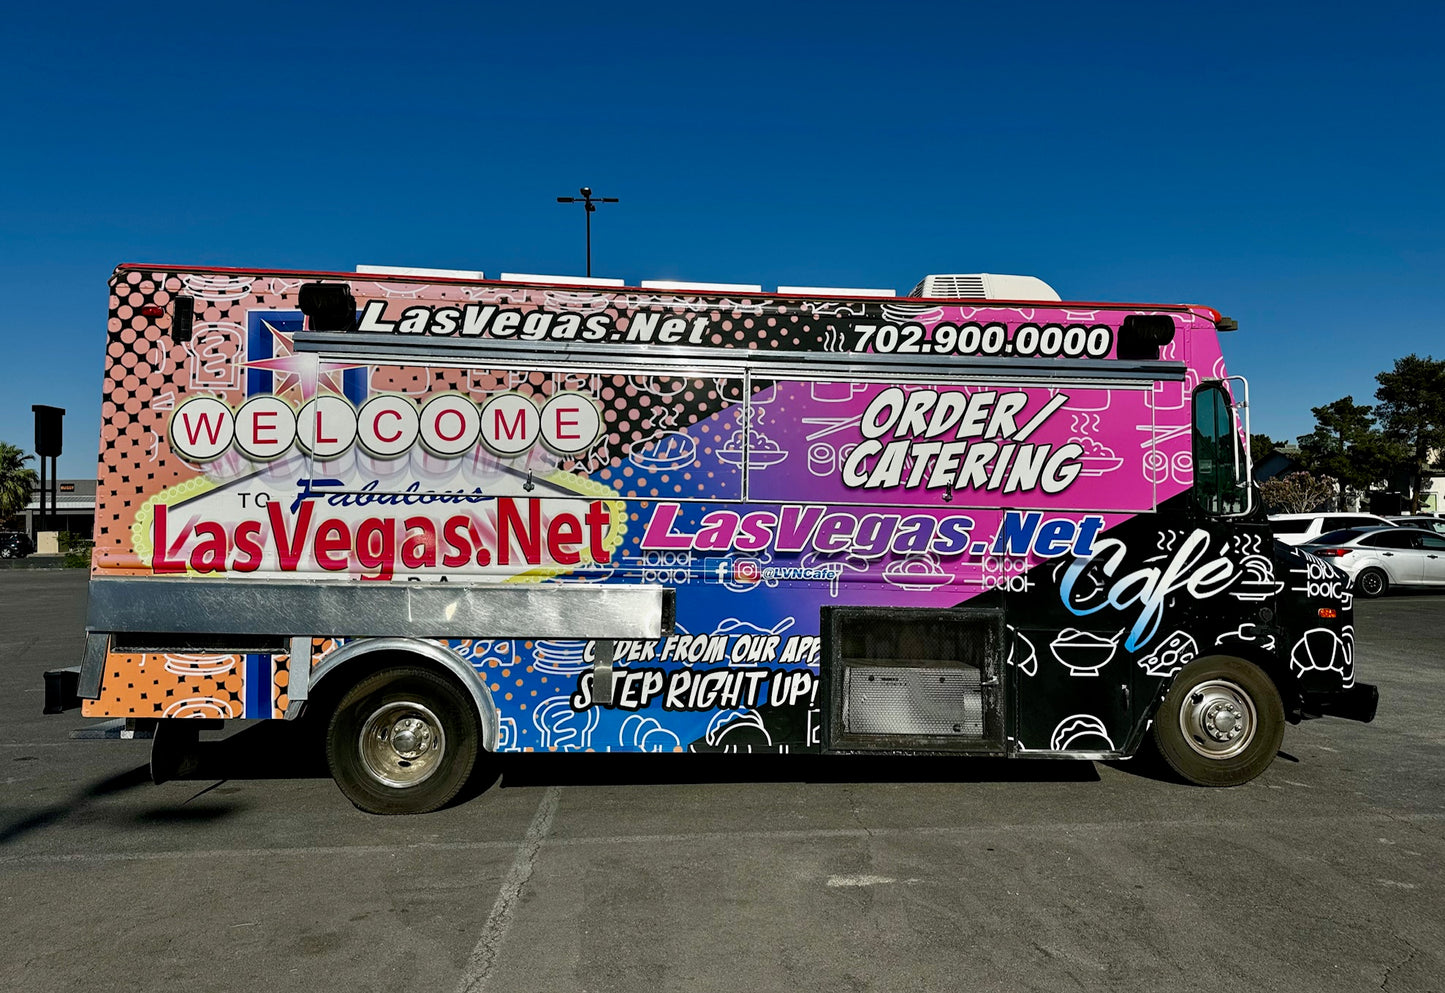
1192	727
430	714
1372	583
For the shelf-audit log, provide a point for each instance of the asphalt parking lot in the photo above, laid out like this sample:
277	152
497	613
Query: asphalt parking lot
625	874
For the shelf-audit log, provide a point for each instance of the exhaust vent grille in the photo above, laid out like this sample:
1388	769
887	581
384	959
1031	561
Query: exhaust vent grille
984	286
963	287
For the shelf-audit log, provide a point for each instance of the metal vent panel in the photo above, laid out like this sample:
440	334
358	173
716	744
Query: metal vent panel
913	680
897	700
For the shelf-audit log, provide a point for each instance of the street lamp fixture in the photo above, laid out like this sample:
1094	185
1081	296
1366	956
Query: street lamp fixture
589	203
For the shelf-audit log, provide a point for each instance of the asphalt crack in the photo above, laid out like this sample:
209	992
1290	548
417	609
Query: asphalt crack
1385	981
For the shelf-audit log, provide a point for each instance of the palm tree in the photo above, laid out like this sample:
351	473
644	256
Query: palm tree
16	481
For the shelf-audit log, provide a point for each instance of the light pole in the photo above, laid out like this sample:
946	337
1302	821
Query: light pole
589	203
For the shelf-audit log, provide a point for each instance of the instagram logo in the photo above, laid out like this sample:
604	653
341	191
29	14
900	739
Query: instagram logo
747	571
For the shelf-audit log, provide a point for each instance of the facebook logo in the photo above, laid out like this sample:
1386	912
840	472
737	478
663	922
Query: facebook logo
717	570
727	570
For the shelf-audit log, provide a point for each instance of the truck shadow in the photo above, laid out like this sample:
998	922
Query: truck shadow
275	750
630	769
279	750
81	800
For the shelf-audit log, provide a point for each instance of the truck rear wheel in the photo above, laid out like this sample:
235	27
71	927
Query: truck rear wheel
1221	723
403	741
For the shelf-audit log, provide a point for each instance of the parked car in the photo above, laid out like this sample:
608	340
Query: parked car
1425	522
1300	529
1380	557
15	545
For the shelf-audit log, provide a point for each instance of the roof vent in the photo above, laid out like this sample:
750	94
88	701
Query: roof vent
833	291
984	286
402	270
537	277
687	284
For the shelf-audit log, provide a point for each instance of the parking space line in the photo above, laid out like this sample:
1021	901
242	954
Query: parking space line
484	956
93	858
698	837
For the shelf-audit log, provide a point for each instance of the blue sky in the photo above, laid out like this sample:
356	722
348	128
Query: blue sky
1282	163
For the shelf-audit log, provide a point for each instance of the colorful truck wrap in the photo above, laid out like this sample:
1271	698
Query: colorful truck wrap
612	519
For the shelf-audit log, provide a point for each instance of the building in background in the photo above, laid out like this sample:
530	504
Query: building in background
74	508
1280	462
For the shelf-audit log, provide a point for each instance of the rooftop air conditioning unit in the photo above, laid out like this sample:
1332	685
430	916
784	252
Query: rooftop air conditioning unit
984	286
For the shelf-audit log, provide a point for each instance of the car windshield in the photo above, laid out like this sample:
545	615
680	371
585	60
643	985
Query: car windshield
1338	537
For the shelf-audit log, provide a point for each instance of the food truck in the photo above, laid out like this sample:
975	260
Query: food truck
445	517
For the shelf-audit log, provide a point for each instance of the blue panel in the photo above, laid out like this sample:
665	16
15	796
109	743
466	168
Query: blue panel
258	686
261	344
354	385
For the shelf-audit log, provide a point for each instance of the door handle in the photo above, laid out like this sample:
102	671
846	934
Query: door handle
1388	554
990	681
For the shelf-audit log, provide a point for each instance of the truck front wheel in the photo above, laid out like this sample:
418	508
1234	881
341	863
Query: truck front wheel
403	741
1221	723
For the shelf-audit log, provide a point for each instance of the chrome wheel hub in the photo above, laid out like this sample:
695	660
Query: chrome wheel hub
1218	720
1223	721
402	744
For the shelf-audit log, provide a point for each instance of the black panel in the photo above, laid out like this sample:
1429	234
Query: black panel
1142	335
196	644
328	306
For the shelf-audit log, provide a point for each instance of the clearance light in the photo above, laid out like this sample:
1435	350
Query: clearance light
183	321
1328	613
152	310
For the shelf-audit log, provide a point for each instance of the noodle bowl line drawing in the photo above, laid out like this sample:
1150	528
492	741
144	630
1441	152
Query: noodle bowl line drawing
1082	652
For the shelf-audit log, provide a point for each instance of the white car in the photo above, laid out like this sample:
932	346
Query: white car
1301	529
1425	522
1378	558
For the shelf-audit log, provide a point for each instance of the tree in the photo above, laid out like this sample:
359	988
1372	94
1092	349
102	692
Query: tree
16	481
1344	445
1412	412
1297	493
1260	447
